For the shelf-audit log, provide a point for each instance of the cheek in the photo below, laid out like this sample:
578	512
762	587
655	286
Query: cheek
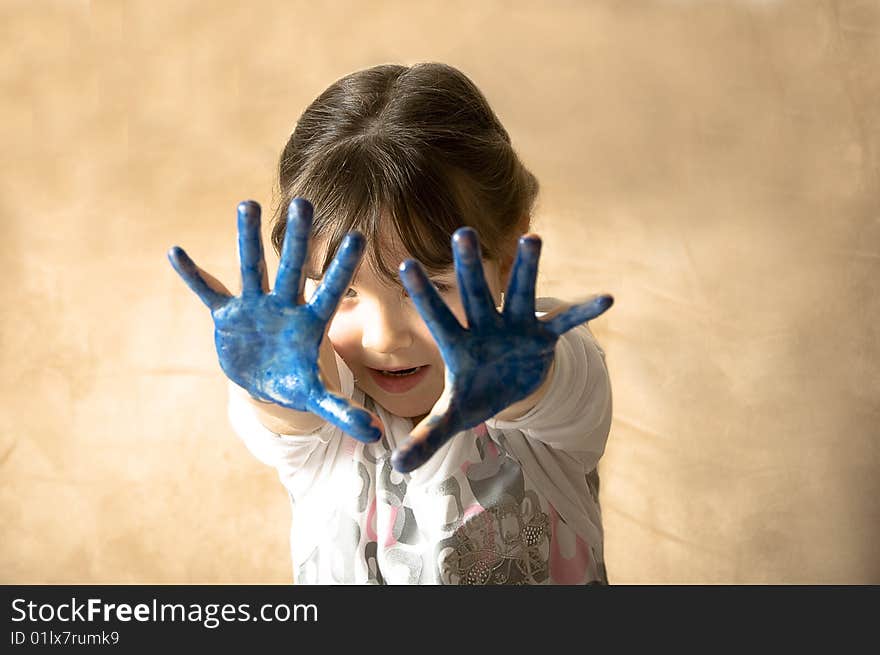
344	334
426	344
422	335
453	301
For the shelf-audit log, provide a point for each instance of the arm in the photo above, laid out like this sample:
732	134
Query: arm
278	419
298	459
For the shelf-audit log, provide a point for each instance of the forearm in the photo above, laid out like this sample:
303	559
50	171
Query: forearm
282	420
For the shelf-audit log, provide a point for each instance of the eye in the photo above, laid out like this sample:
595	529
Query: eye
350	293
442	287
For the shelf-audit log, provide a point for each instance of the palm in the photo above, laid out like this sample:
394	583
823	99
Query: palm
268	342
500	358
254	339
495	369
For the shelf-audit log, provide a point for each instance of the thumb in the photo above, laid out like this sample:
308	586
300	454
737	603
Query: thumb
353	419
427	437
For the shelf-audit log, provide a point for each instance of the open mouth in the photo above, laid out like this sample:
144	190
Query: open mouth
398	380
400	372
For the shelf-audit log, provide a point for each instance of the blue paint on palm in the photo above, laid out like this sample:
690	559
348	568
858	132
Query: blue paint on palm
268	342
500	358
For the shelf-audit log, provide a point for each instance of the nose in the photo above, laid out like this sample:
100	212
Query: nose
387	329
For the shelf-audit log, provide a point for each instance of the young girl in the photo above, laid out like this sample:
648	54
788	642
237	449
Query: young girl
423	435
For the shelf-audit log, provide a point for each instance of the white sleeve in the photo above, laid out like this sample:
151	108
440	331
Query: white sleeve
297	458
575	414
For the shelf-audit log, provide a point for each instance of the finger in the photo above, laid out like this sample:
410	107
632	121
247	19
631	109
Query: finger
338	276
196	279
294	249
356	421
479	306
519	303
254	280
441	322
578	314
425	440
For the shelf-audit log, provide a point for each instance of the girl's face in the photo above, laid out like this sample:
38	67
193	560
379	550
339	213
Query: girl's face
383	340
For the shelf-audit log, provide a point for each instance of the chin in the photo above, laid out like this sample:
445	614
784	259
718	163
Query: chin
403	405
405	409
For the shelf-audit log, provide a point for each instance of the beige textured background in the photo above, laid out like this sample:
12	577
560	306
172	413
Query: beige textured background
714	165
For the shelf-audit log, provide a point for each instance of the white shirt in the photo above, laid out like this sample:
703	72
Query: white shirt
508	502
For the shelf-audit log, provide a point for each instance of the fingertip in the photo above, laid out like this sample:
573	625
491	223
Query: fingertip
412	275
369	431
300	207
354	240
396	462
530	241
376	423
299	218
465	238
407	265
605	302
466	246
249	207
248	218
178	258
404	460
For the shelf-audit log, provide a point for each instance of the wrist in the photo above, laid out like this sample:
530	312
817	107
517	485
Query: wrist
281	420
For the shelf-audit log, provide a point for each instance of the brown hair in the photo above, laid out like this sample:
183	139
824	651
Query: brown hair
417	145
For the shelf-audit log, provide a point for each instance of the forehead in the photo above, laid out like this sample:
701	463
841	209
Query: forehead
383	245
388	247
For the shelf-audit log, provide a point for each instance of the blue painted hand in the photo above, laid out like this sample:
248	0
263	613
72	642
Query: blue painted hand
268	342
500	358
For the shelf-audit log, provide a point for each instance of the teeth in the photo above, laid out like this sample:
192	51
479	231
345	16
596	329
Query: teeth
401	373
